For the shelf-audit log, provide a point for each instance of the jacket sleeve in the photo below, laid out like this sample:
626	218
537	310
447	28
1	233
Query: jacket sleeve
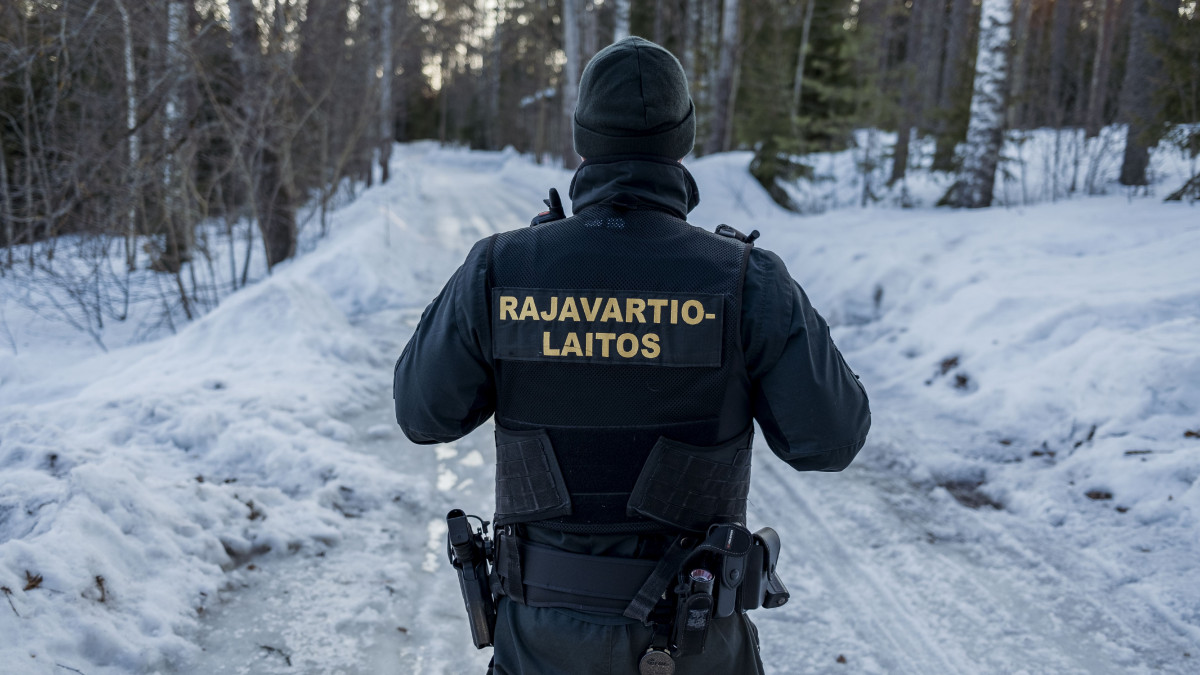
443	382
811	407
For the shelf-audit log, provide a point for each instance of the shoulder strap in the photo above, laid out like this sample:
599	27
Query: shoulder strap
747	239
727	231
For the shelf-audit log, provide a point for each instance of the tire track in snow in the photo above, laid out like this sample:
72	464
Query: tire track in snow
926	585
873	609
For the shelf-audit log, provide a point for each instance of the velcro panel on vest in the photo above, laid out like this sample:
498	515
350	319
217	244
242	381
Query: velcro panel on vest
692	487
529	485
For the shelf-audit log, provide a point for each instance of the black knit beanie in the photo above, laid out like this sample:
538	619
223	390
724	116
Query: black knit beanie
633	100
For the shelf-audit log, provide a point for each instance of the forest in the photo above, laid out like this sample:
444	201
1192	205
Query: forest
156	131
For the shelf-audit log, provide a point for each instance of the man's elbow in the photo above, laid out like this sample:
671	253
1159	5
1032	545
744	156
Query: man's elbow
822	442
856	426
420	427
831	460
421	437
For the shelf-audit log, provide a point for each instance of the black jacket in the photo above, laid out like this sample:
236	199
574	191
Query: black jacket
811	408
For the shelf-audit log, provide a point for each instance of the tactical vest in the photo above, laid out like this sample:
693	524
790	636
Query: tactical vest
623	403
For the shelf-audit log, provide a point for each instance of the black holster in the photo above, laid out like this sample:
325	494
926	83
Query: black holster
469	551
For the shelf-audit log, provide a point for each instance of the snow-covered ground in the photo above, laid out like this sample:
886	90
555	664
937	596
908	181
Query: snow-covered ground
1039	166
236	499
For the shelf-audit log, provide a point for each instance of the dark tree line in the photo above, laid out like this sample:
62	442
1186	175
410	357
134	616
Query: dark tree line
135	122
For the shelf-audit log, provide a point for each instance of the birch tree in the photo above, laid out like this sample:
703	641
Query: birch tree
802	52
620	20
134	139
493	67
177	223
387	73
980	155
725	93
591	30
570	79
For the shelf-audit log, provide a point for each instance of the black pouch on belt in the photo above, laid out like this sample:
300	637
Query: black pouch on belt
693	613
763	587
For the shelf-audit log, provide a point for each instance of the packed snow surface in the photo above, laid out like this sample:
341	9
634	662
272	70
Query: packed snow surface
236	499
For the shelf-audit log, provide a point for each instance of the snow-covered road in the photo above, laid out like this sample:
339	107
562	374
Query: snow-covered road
890	576
932	554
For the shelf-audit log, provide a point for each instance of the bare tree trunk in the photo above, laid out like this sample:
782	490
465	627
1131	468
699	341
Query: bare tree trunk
570	80
985	133
706	77
719	139
178	224
6	212
27	155
1098	91
691	25
386	121
443	94
620	20
1058	49
911	97
243	28
131	127
177	30
954	70
798	83
1016	101
493	84
660	21
933	25
1142	69
591	31
267	158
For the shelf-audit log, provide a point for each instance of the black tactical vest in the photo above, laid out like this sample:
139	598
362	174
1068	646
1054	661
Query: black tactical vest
623	403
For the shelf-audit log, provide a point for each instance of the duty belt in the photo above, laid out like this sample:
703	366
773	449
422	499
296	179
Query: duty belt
739	568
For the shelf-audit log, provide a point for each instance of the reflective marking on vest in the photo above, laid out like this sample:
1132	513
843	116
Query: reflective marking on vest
608	327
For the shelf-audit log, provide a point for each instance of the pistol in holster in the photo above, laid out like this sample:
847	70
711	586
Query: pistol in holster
470	550
731	570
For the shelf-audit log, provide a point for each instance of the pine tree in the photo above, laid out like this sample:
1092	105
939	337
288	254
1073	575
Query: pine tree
1178	100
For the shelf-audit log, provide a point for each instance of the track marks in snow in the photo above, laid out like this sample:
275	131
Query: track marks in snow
866	602
470	206
981	592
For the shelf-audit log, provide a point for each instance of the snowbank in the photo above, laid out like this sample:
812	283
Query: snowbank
1037	166
132	481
